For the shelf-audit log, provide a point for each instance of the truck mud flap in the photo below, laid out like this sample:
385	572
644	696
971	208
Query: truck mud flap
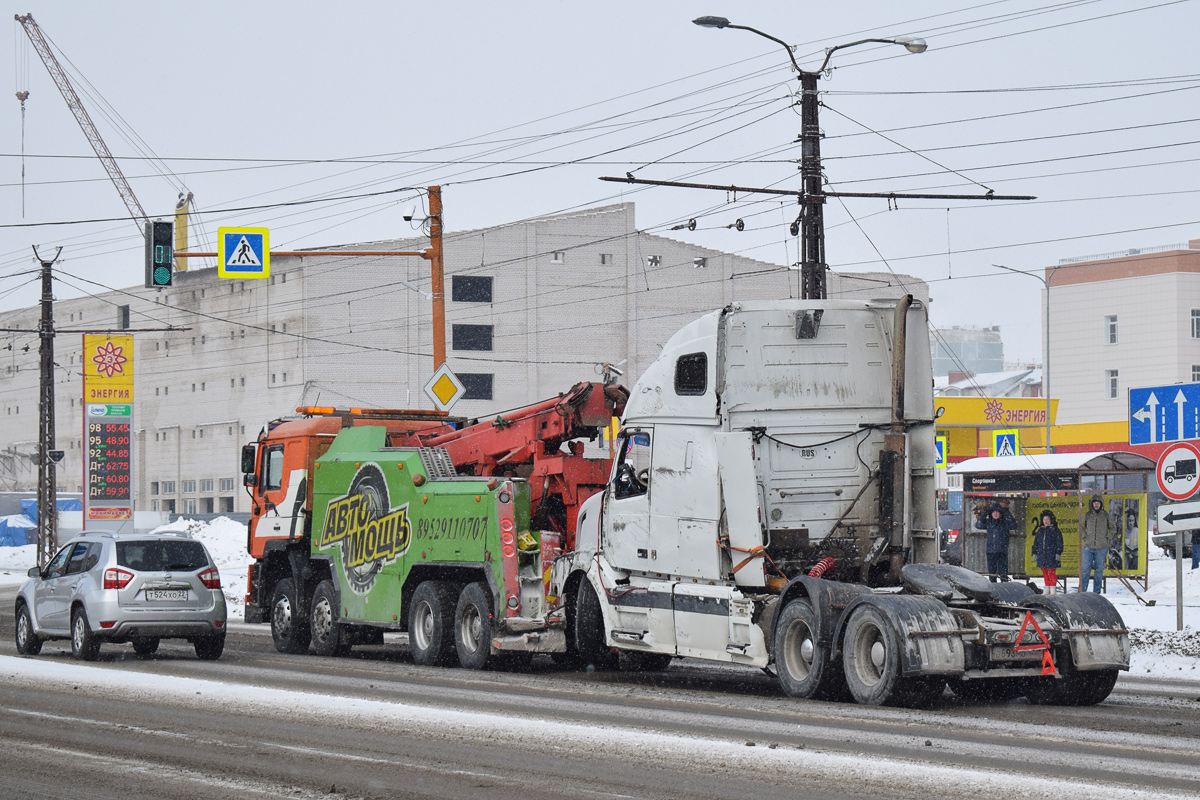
931	636
1091	625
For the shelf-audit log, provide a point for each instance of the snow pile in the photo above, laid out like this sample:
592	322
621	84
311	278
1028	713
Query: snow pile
15	562
224	538
225	541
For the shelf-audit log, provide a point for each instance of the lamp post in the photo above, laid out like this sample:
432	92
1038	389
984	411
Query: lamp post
812	222
1046	362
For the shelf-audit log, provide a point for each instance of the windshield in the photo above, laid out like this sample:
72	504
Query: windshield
156	555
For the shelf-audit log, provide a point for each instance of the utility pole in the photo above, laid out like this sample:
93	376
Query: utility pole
810	225
47	494
813	268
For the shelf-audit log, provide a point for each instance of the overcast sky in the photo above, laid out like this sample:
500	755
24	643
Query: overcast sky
517	108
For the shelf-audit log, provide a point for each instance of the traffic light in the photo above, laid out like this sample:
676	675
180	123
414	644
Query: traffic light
160	254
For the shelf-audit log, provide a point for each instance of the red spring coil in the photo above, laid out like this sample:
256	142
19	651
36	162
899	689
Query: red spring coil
823	566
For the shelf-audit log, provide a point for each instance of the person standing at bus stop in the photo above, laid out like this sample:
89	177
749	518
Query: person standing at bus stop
1047	550
1096	530
998	523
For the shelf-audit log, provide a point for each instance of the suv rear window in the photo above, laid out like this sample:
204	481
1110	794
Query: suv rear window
157	555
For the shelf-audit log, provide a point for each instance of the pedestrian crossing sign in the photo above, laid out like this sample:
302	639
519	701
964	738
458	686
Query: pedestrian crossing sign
243	253
1005	443
940	454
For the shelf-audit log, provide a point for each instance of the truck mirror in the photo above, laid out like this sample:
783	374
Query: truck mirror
248	453
250	479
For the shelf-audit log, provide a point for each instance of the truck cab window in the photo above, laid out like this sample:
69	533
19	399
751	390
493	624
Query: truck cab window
273	468
632	476
691	374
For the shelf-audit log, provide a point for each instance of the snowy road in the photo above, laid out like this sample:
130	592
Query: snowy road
261	724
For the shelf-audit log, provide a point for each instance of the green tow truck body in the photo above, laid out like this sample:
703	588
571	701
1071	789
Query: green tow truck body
387	520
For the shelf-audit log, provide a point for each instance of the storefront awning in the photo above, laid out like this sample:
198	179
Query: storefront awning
1110	461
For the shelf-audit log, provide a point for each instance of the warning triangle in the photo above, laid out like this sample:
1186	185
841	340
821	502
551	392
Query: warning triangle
1048	664
243	256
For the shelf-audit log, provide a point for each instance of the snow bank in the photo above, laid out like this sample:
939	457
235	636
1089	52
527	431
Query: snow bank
224	538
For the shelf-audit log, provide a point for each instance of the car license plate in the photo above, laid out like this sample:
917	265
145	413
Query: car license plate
166	594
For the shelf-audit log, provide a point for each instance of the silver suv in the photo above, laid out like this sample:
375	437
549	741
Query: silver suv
139	588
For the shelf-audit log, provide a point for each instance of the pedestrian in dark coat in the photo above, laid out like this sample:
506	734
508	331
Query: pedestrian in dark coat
1047	550
998	522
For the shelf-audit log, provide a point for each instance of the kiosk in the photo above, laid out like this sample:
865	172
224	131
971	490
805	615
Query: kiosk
1062	483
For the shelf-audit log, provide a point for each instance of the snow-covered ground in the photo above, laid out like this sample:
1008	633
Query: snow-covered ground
1158	648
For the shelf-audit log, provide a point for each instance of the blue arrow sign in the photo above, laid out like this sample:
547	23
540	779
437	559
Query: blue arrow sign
1164	413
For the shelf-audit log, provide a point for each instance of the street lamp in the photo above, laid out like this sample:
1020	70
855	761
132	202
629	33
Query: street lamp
1046	361
812	222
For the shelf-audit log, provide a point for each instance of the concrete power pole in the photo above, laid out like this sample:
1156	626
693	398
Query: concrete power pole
47	494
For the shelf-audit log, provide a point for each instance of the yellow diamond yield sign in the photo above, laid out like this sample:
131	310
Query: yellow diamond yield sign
444	388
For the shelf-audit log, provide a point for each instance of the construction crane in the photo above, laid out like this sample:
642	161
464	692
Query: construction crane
63	83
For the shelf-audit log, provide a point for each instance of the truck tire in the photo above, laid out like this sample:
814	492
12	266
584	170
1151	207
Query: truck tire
431	624
987	691
473	626
871	658
802	665
590	642
1075	688
28	643
289	628
328	637
85	645
638	661
145	646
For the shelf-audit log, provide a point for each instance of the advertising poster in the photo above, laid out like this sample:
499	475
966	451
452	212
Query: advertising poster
1066	512
1126	549
107	427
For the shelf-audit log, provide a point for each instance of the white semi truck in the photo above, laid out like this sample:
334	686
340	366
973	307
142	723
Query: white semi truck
773	503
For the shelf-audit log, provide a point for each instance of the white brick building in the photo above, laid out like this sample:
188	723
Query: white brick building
531	308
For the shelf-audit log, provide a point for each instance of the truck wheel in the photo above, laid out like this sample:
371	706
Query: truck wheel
289	628
871	658
145	646
431	624
28	643
328	637
209	648
803	665
473	626
590	641
85	645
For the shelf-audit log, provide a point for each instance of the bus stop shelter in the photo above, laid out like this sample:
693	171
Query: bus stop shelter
1063	483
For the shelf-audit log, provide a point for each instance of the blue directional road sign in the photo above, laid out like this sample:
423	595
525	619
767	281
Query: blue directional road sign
1164	413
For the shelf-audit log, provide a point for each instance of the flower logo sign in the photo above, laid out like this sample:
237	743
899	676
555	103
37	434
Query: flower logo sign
110	359
994	411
